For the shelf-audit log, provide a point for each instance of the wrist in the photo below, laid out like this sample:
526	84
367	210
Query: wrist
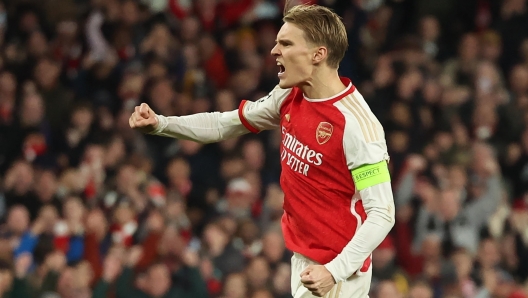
159	125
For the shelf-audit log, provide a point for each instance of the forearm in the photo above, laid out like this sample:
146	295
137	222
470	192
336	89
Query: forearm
480	210
27	244
202	127
379	222
404	191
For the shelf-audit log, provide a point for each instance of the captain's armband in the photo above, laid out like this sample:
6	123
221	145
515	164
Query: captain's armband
370	175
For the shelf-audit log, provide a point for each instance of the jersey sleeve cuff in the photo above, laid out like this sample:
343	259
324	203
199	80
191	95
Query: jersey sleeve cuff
332	268
162	124
243	119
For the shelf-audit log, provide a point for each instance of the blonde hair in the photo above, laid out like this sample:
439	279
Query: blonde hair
321	26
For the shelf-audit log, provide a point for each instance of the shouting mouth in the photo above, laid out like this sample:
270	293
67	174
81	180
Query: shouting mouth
281	68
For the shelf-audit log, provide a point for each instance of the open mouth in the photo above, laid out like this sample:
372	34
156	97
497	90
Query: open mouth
281	68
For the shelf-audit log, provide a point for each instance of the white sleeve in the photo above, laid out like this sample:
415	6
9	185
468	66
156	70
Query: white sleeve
263	114
202	127
213	127
379	206
364	144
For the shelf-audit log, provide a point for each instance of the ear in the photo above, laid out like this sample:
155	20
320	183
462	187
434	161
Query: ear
319	55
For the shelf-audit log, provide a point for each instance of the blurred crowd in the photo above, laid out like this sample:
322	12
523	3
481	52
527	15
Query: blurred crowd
91	208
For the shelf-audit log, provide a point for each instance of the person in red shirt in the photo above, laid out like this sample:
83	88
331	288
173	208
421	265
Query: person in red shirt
338	203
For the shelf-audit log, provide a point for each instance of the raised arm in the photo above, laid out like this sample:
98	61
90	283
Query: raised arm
213	127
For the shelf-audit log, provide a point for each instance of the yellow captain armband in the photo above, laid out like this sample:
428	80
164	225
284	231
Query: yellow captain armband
370	175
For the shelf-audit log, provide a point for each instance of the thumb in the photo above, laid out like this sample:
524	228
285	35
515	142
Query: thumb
144	110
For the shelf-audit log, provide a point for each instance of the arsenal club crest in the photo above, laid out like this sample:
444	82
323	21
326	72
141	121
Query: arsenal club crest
323	132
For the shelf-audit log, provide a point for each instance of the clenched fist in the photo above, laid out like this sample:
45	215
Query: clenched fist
143	119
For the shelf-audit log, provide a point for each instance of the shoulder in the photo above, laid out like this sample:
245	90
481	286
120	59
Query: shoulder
360	121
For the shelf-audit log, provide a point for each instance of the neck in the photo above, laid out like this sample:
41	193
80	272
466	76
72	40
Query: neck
325	83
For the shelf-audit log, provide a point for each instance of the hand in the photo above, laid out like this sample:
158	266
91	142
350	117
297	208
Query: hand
190	258
143	119
134	255
317	279
38	226
55	261
112	268
416	163
22	264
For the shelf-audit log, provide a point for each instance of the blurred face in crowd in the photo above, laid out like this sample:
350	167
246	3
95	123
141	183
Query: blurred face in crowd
127	179
73	209
49	216
294	56
178	172
225	101
83	275
487	80
488	253
192	56
37	44
66	283
8	83
130	13
282	279
449	204
235	286
162	96
469	47
6	280
29	22
387	289
46	73
273	246
215	238
46	186
519	79
381	257
421	291
131	86
124	214
431	248
115	151
190	29
248	231
253	152
229	225
32	112
491	48
18	219
82	118
429	28
21	175
463	263
159	278
262	294
258	273
171	243
457	177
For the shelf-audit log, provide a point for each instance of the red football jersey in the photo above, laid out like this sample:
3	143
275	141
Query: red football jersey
322	141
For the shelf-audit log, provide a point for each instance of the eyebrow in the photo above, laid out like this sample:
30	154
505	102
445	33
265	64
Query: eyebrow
283	41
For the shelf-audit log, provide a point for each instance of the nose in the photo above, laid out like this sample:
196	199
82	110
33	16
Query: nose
275	51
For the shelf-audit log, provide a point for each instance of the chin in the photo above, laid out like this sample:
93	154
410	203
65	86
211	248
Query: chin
285	84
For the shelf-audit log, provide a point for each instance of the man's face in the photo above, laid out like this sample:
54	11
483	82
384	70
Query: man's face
159	280
294	56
